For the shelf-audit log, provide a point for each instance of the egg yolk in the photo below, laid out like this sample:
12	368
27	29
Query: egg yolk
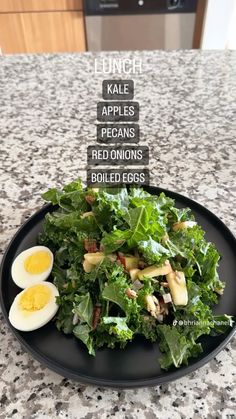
35	298
38	262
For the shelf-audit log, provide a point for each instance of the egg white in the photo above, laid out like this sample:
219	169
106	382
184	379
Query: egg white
28	321
20	276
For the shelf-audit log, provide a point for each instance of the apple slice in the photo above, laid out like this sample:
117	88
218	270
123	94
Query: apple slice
97	257
178	289
88	267
94	258
134	274
131	262
152	271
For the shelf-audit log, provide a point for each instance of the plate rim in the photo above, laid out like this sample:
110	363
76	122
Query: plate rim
100	382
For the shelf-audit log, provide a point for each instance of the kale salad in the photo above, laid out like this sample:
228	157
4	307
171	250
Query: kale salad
129	263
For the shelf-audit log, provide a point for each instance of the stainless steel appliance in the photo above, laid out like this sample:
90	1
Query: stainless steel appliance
139	24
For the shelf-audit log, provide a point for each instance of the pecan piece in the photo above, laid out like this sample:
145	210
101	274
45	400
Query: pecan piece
131	293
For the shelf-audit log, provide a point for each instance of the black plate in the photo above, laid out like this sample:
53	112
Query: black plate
137	365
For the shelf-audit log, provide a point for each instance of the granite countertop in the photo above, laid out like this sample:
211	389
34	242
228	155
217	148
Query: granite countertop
188	119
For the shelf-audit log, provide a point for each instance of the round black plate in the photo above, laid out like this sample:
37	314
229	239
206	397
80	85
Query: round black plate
137	365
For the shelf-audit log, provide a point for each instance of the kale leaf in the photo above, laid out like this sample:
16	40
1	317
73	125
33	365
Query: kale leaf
153	251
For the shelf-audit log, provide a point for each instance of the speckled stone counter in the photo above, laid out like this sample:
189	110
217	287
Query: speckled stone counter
188	119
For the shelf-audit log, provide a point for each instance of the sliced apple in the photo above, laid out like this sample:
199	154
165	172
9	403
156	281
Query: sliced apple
131	262
178	289
94	258
152	271
97	257
134	274
88	267
183	225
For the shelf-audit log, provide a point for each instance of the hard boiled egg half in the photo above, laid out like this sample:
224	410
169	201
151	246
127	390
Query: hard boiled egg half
33	307
32	266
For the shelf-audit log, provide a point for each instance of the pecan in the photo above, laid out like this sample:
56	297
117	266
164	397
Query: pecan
131	293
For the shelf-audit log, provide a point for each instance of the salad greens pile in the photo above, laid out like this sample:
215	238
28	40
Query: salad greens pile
129	263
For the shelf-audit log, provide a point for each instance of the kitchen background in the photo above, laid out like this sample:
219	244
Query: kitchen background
41	26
